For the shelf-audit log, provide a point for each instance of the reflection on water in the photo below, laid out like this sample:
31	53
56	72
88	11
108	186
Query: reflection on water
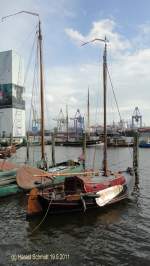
118	235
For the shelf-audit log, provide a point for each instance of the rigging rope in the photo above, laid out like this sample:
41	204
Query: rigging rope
19	70
29	61
114	93
116	103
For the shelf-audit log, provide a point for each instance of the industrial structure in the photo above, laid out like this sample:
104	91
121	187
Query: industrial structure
136	118
78	120
61	121
12	103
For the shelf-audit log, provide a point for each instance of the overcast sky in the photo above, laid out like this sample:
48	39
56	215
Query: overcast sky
69	68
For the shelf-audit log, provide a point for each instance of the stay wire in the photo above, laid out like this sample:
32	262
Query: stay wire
96	111
29	61
114	94
19	70
112	87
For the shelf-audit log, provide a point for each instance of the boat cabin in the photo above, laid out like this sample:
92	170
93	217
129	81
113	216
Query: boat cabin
85	184
73	185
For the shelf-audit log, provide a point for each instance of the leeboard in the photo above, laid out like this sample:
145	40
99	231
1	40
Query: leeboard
106	195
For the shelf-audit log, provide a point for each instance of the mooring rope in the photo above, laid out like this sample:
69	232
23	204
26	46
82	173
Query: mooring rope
43	219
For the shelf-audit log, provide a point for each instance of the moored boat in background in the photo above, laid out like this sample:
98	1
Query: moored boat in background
8	185
144	143
8	190
7	169
6	152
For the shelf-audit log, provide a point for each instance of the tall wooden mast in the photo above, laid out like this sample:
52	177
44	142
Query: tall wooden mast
88	114
104	102
104	106
41	92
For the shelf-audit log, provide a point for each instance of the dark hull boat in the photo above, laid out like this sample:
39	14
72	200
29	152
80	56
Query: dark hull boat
144	144
76	143
79	194
59	207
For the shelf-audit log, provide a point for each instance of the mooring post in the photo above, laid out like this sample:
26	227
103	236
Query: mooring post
53	149
84	149
27	146
11	139
136	157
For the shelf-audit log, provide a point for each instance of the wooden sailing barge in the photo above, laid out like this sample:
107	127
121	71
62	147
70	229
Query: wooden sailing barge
84	191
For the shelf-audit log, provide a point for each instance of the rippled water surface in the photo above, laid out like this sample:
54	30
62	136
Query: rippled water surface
118	235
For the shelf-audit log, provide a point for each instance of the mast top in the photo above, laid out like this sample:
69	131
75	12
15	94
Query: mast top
20	12
105	40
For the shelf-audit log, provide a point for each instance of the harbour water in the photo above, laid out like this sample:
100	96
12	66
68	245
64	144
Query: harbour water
118	235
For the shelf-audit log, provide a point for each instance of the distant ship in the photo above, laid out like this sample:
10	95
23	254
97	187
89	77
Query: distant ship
145	143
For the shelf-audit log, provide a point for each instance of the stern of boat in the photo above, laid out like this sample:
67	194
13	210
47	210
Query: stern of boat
33	208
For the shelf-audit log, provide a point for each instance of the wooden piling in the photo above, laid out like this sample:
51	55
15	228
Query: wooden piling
84	149
53	150
27	146
136	157
11	139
